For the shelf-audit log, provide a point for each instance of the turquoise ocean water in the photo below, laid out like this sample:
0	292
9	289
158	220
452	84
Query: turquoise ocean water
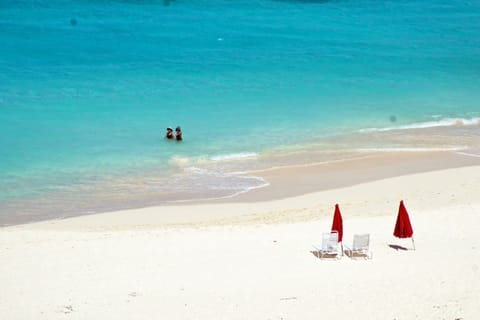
87	89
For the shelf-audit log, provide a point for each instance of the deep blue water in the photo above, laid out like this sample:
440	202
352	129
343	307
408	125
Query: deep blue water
87	88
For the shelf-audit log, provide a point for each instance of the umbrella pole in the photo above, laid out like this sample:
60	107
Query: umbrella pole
413	242
341	245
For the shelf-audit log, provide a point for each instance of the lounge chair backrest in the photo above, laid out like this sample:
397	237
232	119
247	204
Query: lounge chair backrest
330	241
361	242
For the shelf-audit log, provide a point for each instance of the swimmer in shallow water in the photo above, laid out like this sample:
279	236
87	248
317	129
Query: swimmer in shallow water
169	134
178	134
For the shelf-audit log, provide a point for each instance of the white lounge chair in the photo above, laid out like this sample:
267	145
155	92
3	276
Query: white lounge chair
360	247
329	247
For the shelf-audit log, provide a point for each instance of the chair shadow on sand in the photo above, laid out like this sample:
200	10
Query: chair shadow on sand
397	247
327	256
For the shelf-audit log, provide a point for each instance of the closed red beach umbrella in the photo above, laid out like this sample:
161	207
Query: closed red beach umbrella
403	227
338	223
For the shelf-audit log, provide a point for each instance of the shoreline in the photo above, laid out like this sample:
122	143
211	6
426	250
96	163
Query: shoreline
349	172
305	206
314	178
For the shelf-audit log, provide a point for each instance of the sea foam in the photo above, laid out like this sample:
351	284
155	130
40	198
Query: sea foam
447	122
234	156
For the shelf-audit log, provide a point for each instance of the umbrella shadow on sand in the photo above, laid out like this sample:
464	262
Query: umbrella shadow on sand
397	247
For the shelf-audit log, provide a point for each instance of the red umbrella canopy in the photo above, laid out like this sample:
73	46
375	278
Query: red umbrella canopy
403	227
337	224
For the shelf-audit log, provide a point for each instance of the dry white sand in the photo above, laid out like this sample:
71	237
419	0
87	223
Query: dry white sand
254	260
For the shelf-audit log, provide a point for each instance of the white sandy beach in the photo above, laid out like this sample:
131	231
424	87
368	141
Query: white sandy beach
253	260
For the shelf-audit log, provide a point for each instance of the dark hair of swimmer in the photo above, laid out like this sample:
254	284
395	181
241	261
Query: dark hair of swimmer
169	134
178	134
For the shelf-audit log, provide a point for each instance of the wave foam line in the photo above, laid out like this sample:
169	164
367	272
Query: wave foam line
469	154
234	156
410	149
448	122
233	195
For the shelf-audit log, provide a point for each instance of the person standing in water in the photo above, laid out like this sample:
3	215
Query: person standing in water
169	134
178	134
